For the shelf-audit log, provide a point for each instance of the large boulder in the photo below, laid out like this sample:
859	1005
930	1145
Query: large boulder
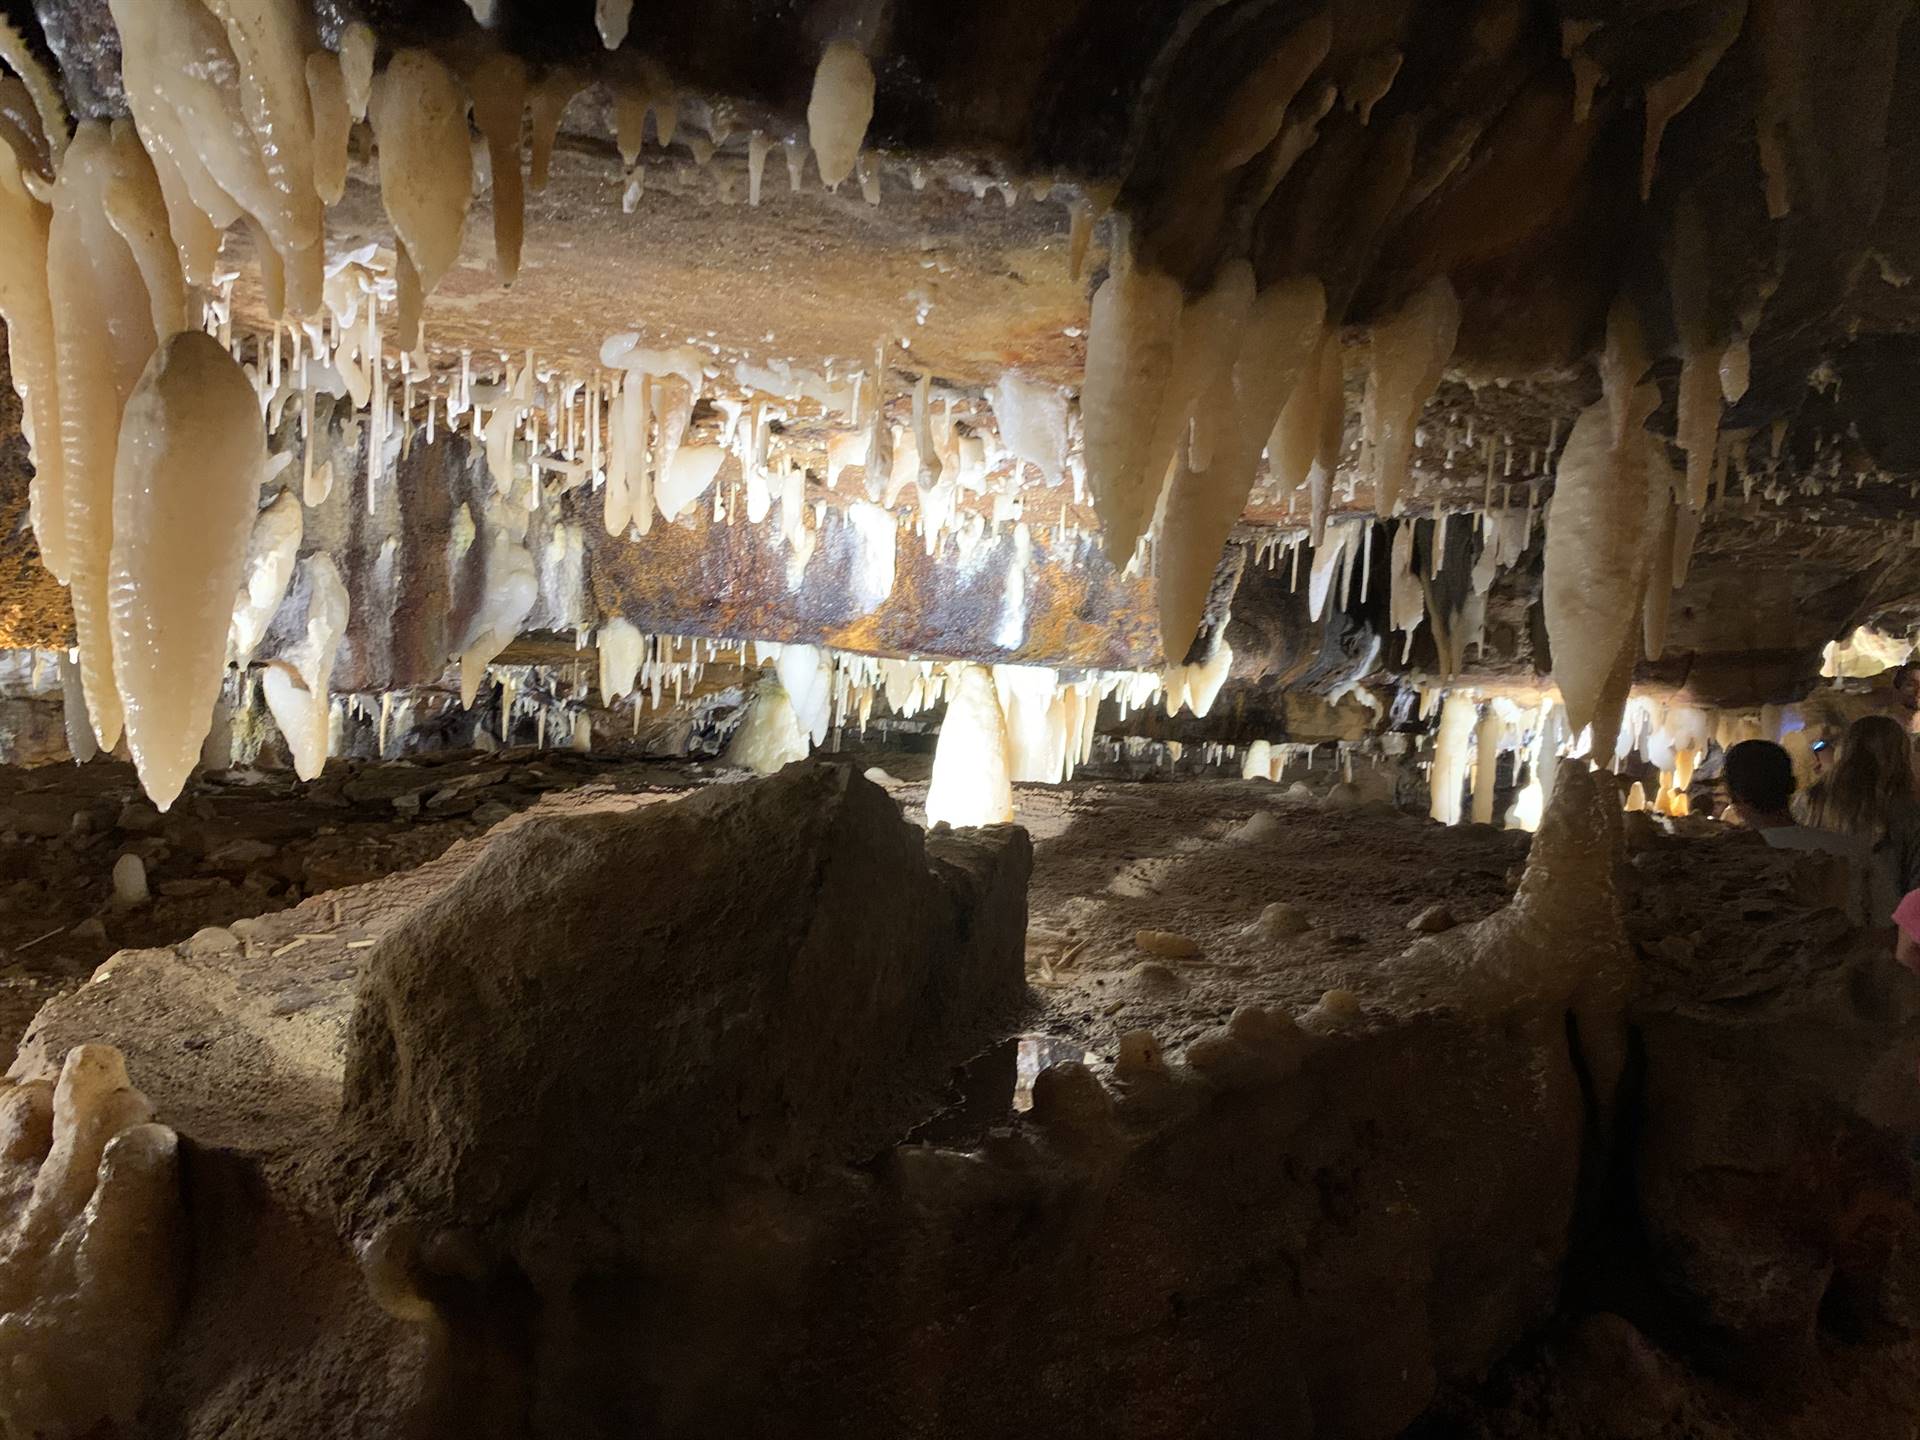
611	1015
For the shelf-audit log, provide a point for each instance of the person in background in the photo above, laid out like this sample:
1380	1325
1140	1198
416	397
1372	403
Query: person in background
1869	796
1906	916
1759	776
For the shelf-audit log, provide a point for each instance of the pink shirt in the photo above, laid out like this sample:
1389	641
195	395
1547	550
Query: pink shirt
1907	916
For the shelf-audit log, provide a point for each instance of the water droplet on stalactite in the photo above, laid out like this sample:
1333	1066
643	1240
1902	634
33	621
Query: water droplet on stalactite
186	482
839	110
972	760
1409	353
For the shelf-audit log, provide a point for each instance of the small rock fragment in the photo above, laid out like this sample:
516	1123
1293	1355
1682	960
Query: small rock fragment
1277	921
1166	943
1336	1011
1432	920
130	882
1140	1054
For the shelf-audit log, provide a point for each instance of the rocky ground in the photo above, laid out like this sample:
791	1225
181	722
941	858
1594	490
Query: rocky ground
1480	1219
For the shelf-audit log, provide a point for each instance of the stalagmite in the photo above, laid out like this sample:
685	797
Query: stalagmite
1203	506
103	336
295	684
426	174
1409	354
1448	773
186	484
1130	347
28	313
622	648
839	111
1596	552
1486	761
770	737
272	552
972	765
91	1249
499	107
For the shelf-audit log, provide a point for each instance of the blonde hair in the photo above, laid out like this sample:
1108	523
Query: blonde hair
1869	781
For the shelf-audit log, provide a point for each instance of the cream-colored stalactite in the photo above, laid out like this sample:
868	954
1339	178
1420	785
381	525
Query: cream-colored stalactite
499	108
270	41
1623	363
1281	333
1697	428
359	47
972	762
1406	597
1250	120
28	313
1670	94
839	110
622	647
770	736
272	551
1032	419
612	17
295	684
91	1249
103	337
138	213
1598	536
1131	336
688	476
1409	354
186	486
1452	743
1203	355
806	674
332	120
1305	446
426	174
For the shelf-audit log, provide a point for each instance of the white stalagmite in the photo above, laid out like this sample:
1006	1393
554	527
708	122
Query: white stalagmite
839	110
271	553
1409	354
1451	742
103	337
28	313
1487	738
972	762
622	648
1281	333
1131	335
770	736
426	173
295	684
1598	537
